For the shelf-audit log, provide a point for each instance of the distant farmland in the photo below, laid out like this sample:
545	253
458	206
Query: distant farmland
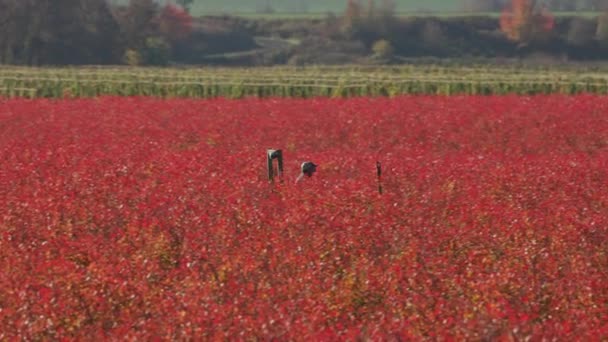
319	8
202	7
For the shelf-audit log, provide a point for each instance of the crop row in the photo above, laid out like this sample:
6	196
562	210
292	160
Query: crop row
61	88
292	82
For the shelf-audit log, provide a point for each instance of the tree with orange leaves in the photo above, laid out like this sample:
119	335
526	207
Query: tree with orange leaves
524	21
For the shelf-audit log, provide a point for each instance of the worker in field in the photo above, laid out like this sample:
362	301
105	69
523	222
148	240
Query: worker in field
308	168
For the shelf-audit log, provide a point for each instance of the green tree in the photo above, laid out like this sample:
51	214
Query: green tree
369	23
601	33
138	21
156	52
57	32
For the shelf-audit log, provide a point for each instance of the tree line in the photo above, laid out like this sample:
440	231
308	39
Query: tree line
147	32
553	5
59	32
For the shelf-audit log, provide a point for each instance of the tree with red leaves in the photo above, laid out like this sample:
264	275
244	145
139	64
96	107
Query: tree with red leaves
524	21
175	23
352	15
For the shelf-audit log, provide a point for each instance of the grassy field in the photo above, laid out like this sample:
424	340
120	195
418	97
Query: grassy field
301	82
401	14
202	7
319	8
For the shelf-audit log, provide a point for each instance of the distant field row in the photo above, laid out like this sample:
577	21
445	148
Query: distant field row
318	6
401	14
206	7
321	7
286	9
299	82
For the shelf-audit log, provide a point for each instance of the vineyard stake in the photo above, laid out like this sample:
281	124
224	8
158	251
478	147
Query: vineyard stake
270	156
379	173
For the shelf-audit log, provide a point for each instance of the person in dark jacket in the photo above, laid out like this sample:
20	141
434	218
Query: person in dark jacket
308	168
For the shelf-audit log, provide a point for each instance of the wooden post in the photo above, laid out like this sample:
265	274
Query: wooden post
379	173
270	156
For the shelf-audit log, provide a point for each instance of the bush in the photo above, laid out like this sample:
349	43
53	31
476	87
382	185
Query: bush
157	51
383	49
132	57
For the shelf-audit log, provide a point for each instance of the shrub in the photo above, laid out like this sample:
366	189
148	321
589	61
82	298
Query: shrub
132	57
383	49
157	51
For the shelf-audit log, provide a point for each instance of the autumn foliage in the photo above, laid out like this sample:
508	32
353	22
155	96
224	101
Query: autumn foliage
175	23
524	21
145	219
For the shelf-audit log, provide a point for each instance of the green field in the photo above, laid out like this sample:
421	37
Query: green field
300	82
318	8
319	15
202	7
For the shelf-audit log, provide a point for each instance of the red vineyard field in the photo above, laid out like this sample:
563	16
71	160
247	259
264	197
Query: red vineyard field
138	218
